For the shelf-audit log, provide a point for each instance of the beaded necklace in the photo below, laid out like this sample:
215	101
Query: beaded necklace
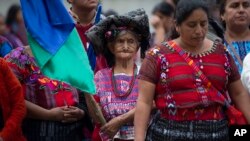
131	83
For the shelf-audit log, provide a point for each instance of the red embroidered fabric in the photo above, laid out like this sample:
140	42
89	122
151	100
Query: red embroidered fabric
177	86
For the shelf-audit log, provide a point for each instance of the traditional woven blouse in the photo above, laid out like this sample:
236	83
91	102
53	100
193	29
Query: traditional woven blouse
48	94
38	88
242	48
113	105
178	89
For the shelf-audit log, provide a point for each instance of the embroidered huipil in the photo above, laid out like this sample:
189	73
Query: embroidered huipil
178	90
48	94
112	105
242	48
38	88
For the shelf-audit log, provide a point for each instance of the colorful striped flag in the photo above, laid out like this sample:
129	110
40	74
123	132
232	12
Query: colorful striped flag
55	43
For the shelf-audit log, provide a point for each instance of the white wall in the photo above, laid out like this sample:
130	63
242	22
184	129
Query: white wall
5	4
121	6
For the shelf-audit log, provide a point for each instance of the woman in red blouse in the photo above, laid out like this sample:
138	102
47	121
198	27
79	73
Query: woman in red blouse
55	110
188	79
12	105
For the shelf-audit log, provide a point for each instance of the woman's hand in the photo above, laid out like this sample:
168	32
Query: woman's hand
1	139
112	127
56	114
72	114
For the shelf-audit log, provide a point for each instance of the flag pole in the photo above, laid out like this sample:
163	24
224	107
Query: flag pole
94	109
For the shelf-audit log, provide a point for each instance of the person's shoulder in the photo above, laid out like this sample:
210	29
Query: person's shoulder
218	46
158	49
3	39
16	53
19	57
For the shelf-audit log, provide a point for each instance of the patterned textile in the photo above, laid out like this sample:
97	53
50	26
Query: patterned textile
15	41
48	94
112	105
41	130
242	48
136	20
169	130
38	88
178	88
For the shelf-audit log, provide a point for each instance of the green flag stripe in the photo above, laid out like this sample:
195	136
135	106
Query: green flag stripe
70	64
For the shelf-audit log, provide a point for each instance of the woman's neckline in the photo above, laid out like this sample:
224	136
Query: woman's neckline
205	53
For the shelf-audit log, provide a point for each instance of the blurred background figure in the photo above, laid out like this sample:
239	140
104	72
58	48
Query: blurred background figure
214	9
162	22
5	32
14	22
215	29
235	15
172	2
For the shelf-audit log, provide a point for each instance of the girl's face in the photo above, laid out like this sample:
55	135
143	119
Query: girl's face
194	29
19	17
126	45
237	13
168	21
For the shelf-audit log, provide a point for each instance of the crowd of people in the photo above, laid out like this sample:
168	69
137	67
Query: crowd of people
190	76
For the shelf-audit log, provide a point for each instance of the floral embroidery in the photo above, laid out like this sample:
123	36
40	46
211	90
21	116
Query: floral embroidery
154	52
39	88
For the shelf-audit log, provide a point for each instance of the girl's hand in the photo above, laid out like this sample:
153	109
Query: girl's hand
72	114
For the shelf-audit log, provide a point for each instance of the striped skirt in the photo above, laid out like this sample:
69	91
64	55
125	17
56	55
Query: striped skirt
40	130
162	129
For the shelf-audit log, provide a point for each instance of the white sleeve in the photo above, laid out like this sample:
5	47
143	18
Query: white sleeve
245	75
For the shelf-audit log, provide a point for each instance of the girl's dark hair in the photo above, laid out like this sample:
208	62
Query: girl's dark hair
163	8
222	6
185	8
110	58
12	13
222	11
175	2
